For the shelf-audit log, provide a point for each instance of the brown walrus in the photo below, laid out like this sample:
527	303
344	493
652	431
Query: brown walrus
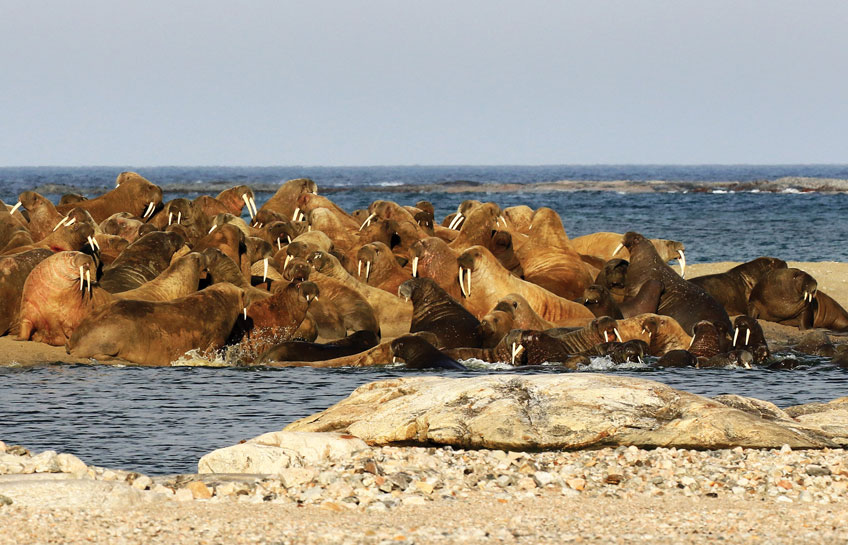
707	341
549	260
301	351
284	201
613	276
603	246
522	314
662	333
732	288
141	261
828	313
494	326
599	331
134	194
273	320
680	299
784	296
433	258
435	311
157	333
57	296
492	281
378	267
180	279
14	271
417	353
748	334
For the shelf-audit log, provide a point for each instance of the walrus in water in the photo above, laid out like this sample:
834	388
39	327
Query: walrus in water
680	299
133	193
632	351
435	311
784	296
748	334
600	330
275	319
662	333
302	351
478	267
494	326
732	288
14	271
157	333
417	353
706	342
58	295
677	358
530	347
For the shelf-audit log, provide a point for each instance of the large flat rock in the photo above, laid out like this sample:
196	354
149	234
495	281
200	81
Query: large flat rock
62	490
553	411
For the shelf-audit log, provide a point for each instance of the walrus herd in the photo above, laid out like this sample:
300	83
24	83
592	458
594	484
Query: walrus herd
131	277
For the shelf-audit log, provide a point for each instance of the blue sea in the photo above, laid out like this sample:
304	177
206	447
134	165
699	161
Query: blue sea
161	421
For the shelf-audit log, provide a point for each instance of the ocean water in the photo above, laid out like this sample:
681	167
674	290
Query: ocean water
162	420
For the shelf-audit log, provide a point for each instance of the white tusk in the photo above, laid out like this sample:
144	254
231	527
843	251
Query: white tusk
170	217
245	312
314	297
606	337
14	208
179	217
73	220
149	211
295	214
247	203
309	228
367	270
691	343
96	244
747	336
415	267
394	359
359	269
462	284
805	296
618	248
468	281
61	223
279	246
81	278
253	205
517	349
682	260
265	270
617	335
735	335
455	221
88	281
213	228
288	238
367	222
286	264
639	360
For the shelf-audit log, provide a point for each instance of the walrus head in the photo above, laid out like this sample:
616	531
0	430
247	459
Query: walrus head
615	273
493	327
144	196
296	270
235	198
606	328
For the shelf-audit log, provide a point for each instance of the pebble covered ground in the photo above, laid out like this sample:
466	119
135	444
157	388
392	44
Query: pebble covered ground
418	495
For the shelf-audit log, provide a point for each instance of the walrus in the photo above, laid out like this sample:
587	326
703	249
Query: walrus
284	201
504	251
734	358
378	267
43	216
126	226
435	311
662	333
603	246
646	300
433	258
57	296
732	288
157	333
613	277
677	358
530	347
64	239
180	279
394	315
231	241
477	228
141	261
549	260
14	271
492	281
600	330
706	341
519	218
784	296
494	326
748	334
685	302
629	351
133	193
828	313
522	314
417	353
220	268
456	220
599	300
300	351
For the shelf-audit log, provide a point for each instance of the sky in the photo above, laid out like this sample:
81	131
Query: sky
256	82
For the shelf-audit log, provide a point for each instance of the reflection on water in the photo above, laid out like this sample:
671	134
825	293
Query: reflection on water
162	420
